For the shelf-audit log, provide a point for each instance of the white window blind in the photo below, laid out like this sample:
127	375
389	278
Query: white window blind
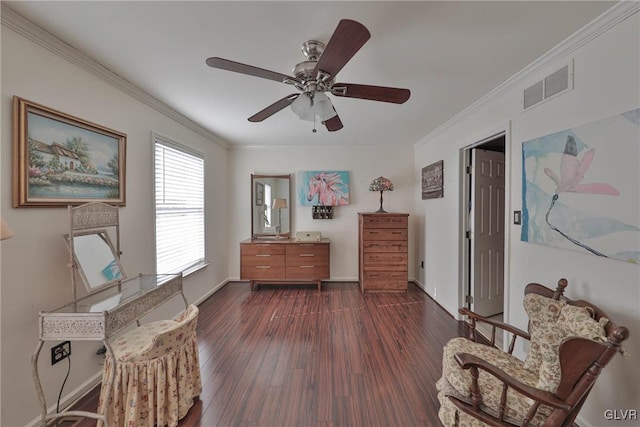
179	188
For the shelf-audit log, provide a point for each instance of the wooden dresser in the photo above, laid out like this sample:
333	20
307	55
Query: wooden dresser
284	261
383	252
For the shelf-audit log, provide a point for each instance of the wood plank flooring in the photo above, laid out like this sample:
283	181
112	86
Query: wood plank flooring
292	356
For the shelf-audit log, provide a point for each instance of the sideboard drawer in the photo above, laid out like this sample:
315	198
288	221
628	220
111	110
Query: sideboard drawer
307	250
262	249
307	271
256	272
307	259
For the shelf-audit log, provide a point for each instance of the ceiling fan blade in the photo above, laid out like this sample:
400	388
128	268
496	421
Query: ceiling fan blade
333	124
373	93
274	108
225	64
346	40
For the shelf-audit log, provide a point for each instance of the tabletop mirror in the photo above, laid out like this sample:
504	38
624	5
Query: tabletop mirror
93	256
270	206
95	259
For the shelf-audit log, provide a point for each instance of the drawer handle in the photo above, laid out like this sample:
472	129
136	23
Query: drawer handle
307	254
263	255
264	245
263	266
307	266
374	232
396	232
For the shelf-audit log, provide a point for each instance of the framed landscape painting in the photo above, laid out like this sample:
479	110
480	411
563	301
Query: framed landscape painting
61	160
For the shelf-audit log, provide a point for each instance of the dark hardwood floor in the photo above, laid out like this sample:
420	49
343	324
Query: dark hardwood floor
293	356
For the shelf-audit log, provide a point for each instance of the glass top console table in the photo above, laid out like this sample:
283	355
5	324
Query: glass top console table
113	300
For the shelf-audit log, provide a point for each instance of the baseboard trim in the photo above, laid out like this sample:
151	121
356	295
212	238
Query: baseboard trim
72	397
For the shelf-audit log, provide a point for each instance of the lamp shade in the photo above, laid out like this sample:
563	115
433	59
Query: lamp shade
311	104
381	184
279	203
5	231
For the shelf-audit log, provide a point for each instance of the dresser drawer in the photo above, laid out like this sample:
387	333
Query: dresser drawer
307	250
262	266
262	249
261	272
307	259
307	271
385	234
385	246
385	281
375	261
384	221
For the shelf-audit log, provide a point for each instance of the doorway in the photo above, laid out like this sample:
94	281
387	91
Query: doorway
483	218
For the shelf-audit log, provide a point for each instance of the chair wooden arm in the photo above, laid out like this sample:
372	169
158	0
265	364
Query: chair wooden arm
541	397
495	324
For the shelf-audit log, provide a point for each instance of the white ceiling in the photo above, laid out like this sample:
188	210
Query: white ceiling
449	54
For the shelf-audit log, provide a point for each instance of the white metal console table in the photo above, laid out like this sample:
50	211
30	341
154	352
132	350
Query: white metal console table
109	307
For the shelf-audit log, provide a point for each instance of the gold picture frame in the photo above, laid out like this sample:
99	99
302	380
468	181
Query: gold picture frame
61	160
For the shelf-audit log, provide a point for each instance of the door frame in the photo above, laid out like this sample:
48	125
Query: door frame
464	255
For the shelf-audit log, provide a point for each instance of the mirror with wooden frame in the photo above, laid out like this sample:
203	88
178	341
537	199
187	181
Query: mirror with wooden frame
270	206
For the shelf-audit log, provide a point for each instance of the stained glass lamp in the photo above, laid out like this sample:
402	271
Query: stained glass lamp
381	184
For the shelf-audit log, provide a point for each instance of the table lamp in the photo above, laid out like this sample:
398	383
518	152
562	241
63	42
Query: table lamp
381	184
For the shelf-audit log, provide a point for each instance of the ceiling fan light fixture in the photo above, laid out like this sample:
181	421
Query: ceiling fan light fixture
313	105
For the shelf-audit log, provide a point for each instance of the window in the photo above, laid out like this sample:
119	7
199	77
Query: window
179	188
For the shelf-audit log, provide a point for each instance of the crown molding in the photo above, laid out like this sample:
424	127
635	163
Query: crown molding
608	19
19	24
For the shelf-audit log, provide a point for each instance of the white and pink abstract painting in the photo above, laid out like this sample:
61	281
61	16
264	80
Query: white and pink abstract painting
581	188
322	188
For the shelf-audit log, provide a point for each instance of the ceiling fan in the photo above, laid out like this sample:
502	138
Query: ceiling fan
316	75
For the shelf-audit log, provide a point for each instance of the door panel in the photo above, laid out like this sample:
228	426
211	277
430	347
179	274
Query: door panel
487	233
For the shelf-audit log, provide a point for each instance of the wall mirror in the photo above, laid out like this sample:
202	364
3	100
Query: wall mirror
95	259
270	206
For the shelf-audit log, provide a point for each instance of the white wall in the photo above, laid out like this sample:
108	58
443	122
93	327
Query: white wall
364	163
34	275
606	83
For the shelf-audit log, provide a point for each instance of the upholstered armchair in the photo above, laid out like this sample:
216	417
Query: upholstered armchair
570	343
157	373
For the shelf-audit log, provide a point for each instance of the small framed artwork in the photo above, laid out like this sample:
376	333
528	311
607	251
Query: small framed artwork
433	181
61	160
259	194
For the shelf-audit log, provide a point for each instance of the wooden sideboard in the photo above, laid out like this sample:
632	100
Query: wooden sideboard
383	252
284	261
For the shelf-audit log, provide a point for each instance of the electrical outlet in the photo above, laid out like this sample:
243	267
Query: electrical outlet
60	352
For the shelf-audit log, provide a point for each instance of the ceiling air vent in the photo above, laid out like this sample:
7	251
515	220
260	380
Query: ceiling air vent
558	82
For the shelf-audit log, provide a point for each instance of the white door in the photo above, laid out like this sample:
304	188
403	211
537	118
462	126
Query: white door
487	232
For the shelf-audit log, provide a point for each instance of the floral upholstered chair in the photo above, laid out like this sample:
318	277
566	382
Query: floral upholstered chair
570	343
157	373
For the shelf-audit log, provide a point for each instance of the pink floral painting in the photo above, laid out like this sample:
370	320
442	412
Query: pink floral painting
581	188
